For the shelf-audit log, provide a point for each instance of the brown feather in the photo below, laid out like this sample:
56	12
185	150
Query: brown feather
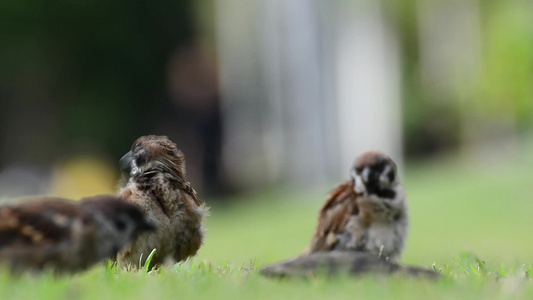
34	223
333	217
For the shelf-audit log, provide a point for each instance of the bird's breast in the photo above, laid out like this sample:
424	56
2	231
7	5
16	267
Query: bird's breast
381	235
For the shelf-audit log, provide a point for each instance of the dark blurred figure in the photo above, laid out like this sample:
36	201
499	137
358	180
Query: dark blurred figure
193	89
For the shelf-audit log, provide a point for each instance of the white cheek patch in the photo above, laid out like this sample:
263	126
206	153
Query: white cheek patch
384	180
134	168
359	185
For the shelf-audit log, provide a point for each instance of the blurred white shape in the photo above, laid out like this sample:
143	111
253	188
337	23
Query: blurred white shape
368	84
302	89
303	93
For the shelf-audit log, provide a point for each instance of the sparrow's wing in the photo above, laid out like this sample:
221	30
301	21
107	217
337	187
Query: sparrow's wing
333	217
187	188
36	223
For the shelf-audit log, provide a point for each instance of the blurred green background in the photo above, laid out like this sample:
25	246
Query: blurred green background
256	95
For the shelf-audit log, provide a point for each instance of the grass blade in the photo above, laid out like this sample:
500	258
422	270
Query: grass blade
460	265
502	271
141	261
473	269
149	260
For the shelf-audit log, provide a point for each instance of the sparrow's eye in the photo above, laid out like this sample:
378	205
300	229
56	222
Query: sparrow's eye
140	160
120	225
391	175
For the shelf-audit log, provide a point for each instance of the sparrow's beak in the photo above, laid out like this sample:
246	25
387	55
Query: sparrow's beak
365	175
125	162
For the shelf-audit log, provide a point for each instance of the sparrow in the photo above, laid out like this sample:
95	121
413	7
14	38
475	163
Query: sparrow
154	173
343	262
67	236
366	213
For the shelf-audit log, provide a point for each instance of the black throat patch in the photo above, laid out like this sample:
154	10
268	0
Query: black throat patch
387	193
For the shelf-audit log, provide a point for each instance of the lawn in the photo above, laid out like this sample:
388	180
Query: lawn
470	219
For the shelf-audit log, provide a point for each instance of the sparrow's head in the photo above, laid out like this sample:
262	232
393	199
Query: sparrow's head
153	153
120	220
374	173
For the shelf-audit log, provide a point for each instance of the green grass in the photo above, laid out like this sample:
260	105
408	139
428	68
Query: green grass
470	220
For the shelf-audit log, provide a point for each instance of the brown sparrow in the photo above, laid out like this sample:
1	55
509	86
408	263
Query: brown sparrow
155	171
366	213
65	235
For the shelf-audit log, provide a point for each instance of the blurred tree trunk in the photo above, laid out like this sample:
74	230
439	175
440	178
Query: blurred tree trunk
306	87
272	91
368	82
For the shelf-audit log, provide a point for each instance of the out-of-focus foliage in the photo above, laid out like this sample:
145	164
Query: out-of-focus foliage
500	90
89	77
506	74
85	70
